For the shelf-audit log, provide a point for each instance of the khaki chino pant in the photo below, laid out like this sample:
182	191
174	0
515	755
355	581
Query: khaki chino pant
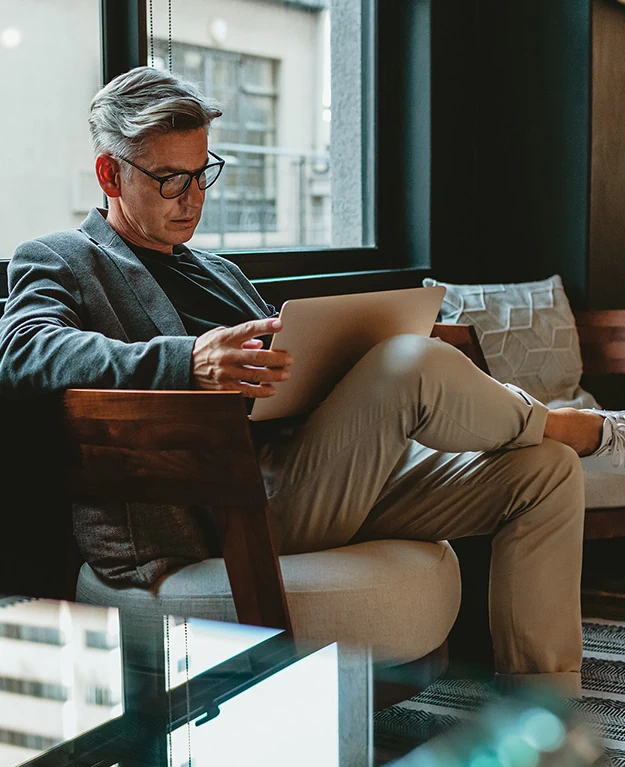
416	442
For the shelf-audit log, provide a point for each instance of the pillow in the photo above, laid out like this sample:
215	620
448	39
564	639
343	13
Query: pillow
528	335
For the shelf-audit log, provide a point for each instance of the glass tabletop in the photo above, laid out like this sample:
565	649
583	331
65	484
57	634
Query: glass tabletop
87	685
92	687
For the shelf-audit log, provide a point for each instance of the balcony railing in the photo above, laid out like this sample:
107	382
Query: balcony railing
267	197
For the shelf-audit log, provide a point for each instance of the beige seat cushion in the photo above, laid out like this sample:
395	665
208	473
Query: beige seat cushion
399	597
604	490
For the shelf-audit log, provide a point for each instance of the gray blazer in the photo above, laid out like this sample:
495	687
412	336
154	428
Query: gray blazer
84	312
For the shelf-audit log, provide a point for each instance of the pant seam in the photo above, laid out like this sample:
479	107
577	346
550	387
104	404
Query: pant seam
468	431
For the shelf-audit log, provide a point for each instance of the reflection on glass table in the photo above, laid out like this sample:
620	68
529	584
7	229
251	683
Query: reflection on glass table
60	674
193	645
241	695
84	685
289	718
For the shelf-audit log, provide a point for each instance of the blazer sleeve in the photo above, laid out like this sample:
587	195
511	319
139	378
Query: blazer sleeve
44	348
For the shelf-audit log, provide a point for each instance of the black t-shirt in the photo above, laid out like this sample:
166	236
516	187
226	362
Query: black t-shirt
202	303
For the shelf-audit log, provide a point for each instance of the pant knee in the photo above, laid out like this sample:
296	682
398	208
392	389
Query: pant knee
563	461
550	470
409	355
570	472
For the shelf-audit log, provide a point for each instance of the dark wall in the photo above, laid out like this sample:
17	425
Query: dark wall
38	556
510	140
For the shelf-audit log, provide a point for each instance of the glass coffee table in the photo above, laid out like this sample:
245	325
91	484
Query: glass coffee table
89	686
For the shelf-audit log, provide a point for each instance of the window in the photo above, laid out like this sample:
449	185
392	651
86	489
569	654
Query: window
34	689
367	123
27	740
101	640
296	173
295	78
50	57
25	633
246	87
100	696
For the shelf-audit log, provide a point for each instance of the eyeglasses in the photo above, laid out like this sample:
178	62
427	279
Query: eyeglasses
175	184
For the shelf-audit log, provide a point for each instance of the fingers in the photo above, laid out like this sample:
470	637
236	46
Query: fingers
248	330
233	359
255	391
234	375
254	343
268	358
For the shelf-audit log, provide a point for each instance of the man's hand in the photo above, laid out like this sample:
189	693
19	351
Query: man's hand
232	359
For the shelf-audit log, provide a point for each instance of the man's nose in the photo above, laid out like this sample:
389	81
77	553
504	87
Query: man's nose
193	195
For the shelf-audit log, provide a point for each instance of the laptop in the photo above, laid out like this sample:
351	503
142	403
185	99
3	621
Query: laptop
327	335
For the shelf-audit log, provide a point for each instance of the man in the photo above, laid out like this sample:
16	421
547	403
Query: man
414	442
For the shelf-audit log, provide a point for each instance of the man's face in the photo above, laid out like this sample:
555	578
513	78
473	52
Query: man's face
149	219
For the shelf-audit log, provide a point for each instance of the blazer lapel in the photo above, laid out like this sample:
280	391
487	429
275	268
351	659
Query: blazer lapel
145	288
222	277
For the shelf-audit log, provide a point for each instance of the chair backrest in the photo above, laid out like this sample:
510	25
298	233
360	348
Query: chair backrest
602	340
181	447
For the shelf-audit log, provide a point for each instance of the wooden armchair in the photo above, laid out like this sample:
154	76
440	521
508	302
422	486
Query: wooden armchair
194	447
186	447
182	447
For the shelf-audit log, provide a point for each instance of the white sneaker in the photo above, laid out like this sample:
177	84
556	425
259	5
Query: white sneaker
610	455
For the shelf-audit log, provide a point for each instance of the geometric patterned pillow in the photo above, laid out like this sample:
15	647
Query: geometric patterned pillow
527	333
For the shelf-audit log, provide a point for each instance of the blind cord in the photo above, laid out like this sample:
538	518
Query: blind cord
169	51
169	54
151	35
167	619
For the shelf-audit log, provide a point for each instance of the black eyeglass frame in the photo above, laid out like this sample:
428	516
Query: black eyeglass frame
190	176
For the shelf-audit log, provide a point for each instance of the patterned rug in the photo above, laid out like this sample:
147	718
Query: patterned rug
449	702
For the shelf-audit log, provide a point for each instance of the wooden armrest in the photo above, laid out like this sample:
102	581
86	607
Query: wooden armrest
159	446
181	448
464	338
602	340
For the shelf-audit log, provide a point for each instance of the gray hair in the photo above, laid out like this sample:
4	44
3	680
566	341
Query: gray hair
144	102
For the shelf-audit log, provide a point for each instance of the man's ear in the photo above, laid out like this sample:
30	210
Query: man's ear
108	173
